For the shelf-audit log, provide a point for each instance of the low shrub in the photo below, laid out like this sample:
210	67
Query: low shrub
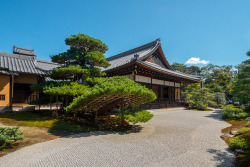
237	143
9	135
213	104
136	115
248	124
232	112
199	105
243	131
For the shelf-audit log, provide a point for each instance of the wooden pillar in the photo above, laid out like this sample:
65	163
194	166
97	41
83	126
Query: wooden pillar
50	102
151	88
174	92
11	92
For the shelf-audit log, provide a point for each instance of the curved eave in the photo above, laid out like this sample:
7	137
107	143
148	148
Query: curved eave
169	72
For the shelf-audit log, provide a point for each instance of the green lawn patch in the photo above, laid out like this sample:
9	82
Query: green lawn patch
42	121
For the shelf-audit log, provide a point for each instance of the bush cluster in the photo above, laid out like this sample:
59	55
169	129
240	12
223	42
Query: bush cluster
199	105
9	135
243	131
237	143
232	112
135	115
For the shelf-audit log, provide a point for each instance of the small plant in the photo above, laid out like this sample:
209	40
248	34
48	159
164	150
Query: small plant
199	105
232	112
248	124
243	131
136	115
9	136
237	143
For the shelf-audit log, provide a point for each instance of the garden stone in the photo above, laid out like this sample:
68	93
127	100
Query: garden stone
233	132
225	136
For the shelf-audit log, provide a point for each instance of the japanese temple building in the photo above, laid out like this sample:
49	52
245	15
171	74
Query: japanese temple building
148	66
19	70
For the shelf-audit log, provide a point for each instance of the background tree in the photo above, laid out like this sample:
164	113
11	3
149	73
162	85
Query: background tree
81	60
241	88
180	67
248	53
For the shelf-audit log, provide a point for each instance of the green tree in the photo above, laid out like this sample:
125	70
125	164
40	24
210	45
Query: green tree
199	98
180	67
82	60
193	70
241	89
248	53
219	98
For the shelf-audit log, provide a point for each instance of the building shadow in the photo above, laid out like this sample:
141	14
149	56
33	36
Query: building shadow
223	159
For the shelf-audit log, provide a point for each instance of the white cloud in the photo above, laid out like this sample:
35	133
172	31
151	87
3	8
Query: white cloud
196	60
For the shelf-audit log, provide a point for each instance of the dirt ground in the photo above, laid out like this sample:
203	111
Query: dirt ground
32	136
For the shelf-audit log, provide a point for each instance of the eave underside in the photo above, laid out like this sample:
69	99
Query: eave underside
139	69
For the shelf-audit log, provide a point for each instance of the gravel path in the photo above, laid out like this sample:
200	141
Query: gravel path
172	138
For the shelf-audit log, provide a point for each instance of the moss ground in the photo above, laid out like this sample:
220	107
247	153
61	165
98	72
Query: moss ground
38	127
241	159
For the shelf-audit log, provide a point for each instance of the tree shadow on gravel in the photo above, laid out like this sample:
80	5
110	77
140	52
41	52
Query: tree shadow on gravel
216	115
134	129
223	159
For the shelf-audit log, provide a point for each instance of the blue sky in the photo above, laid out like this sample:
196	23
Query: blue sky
217	31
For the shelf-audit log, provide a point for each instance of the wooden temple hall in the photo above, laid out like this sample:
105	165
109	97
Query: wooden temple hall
148	66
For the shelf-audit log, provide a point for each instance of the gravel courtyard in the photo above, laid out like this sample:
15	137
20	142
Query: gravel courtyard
171	138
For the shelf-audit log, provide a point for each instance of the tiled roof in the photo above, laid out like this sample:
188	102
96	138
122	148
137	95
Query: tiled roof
23	51
128	57
46	65
19	63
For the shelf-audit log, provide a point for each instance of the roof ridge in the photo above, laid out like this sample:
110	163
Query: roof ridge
19	56
23	48
46	61
155	42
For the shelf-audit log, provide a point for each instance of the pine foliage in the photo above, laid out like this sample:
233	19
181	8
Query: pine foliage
125	88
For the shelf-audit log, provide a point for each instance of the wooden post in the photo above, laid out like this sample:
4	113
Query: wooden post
151	89
50	102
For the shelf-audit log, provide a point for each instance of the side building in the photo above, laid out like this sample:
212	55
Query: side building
148	66
19	70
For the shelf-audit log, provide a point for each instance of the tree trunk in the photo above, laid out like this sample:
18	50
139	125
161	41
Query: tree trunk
55	113
50	103
96	118
122	112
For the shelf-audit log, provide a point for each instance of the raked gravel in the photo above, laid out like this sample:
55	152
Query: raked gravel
172	138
